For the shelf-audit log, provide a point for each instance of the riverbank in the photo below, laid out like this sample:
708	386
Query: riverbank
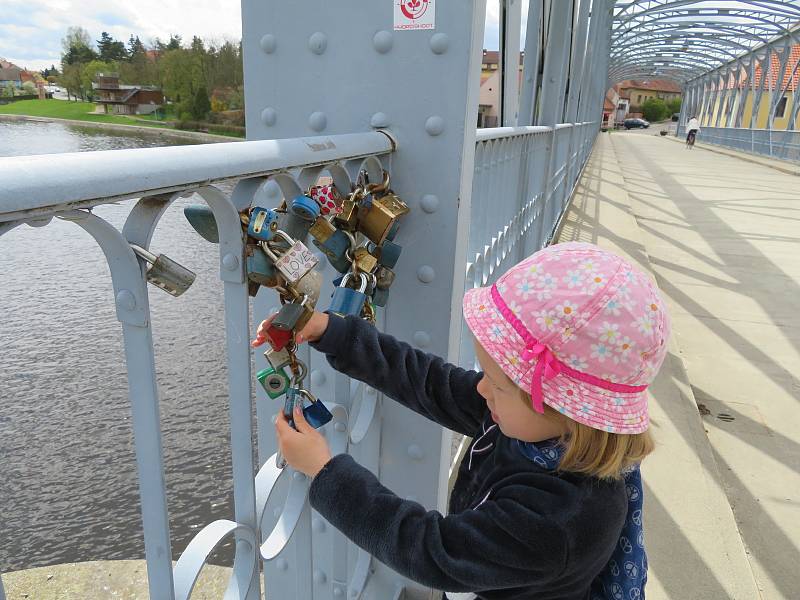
102	580
81	113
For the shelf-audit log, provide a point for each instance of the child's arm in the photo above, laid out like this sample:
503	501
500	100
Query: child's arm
425	383
503	543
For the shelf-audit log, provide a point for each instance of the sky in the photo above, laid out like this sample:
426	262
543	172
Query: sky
31	30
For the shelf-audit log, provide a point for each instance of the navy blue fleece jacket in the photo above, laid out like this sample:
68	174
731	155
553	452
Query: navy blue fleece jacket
514	531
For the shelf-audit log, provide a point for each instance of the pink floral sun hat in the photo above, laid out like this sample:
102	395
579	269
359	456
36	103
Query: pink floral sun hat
579	327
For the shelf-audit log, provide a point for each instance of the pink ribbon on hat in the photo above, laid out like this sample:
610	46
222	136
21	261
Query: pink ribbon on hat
547	365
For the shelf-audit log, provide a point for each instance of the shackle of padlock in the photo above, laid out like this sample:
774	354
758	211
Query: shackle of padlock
295	262
379	187
165	273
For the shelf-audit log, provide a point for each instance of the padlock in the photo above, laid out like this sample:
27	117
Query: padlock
393	231
381	217
278	358
337	248
348	218
328	197
293	315
305	208
380	297
260	269
309	285
384	278
347	301
263	224
364	261
165	273
293	226
316	413
274	381
322	229
201	218
388	254
278	339
293	263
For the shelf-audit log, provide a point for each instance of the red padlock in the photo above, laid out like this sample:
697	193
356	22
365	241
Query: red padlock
328	198
277	338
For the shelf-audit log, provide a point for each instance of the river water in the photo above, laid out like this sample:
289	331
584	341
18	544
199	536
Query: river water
68	484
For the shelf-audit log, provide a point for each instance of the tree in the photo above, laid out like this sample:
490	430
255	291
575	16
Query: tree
110	49
71	80
654	109
174	42
8	90
136	48
76	45
89	74
201	104
674	106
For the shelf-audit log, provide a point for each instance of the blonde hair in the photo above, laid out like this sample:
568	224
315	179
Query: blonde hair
597	453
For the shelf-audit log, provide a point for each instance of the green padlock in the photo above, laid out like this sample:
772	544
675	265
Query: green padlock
275	382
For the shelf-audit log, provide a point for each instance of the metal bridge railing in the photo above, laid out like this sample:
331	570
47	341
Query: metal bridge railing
516	203
775	143
77	182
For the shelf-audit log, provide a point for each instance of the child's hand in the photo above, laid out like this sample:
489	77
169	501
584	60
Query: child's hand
313	330
305	449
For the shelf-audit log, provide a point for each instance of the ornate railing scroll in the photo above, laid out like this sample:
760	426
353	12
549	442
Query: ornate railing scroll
79	181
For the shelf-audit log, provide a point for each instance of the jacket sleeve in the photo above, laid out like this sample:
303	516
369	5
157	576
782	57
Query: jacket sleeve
500	544
425	383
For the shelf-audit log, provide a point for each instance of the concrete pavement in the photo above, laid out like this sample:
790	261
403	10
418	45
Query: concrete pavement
720	235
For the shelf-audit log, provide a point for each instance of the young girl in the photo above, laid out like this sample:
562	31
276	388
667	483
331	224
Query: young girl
547	503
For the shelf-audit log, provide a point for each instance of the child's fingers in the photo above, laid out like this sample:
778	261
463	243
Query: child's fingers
300	421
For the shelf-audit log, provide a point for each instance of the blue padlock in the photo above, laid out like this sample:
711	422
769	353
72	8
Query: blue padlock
390	254
316	413
263	224
260	269
347	301
201	218
335	249
305	208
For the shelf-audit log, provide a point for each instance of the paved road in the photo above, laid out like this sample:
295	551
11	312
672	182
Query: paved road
722	235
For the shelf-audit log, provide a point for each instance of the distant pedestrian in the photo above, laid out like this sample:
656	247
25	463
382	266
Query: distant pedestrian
693	128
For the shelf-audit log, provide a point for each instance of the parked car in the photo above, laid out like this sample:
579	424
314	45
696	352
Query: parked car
635	124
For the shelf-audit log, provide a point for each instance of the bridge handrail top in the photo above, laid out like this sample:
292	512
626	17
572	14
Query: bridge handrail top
37	184
496	133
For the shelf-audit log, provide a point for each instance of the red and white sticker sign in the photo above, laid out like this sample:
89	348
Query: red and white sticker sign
414	14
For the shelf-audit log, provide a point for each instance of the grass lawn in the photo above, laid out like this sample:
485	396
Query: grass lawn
65	109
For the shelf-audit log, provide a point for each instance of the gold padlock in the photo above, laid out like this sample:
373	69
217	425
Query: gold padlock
378	221
348	218
365	262
322	229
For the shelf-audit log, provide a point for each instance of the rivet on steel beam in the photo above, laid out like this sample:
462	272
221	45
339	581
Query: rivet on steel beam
268	43
126	300
434	125
282	564
340	427
269	116
429	203
318	377
230	262
379	119
319	577
415	452
422	339
318	525
383	41
338	592
298	475
318	42
439	43
317	121
426	274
